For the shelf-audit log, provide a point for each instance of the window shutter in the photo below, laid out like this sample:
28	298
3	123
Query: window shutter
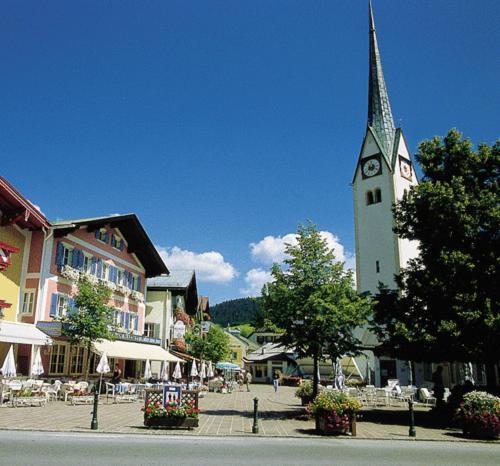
71	306
106	237
93	265
126	320
59	254
74	258
136	323
53	305
138	283
81	257
99	268
122	245
97	233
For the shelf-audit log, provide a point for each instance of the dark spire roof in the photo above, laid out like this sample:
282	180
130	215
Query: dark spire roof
379	109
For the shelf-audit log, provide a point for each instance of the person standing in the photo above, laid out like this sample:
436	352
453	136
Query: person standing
117	375
438	388
276	381
248	380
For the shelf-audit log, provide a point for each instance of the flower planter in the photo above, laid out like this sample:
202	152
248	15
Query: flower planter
481	427
331	423
29	401
171	422
305	400
82	400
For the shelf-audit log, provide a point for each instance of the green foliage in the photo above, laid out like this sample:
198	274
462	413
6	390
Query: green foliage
235	311
213	347
312	298
336	401
91	319
245	329
449	300
306	389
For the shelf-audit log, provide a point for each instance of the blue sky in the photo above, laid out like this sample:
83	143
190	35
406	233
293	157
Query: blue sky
221	123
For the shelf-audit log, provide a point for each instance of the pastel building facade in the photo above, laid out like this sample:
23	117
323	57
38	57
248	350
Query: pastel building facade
114	251
23	229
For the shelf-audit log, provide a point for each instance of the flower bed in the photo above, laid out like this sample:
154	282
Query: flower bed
176	413
336	412
479	415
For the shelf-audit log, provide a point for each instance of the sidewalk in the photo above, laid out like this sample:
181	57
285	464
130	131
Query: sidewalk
222	415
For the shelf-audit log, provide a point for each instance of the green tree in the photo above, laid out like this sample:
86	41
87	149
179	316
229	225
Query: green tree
91	318
448	304
313	300
214	346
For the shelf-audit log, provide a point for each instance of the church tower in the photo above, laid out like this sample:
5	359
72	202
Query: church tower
384	171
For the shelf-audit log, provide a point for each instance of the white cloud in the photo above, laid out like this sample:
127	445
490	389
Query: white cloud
209	266
255	279
272	249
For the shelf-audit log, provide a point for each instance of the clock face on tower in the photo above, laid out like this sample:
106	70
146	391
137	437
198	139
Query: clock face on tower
405	168
371	167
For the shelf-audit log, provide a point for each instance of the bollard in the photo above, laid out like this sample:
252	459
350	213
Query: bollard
412	432
93	424
255	427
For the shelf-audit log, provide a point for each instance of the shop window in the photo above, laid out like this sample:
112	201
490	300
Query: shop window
76	366
57	359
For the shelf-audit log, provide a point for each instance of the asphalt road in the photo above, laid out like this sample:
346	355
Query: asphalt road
36	448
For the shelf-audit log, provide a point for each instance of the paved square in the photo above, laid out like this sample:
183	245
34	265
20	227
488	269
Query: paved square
222	415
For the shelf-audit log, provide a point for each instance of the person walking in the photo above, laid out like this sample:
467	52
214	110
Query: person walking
248	380
276	381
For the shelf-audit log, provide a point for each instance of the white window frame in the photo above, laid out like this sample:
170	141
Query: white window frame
102	234
67	255
118	241
62	305
28	292
87	263
132	317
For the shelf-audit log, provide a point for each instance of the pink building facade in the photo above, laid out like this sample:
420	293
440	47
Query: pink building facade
112	250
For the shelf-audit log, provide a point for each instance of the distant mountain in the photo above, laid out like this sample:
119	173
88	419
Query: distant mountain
235	311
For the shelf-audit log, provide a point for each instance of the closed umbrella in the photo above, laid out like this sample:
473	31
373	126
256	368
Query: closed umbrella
177	371
203	371
9	365
37	367
339	376
210	371
194	370
147	370
102	368
165	370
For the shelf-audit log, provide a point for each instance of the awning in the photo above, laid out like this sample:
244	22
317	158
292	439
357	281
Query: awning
130	350
25	334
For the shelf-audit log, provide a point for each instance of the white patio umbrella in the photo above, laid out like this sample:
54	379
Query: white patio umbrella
37	367
9	365
210	370
203	371
147	370
194	369
102	368
339	375
165	370
177	371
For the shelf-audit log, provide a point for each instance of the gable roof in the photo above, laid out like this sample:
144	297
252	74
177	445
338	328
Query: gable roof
19	210
177	279
131	228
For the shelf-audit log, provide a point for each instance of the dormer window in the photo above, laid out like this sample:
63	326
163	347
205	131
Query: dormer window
117	242
102	235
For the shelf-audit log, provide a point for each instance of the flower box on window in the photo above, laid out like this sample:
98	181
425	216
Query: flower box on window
70	273
110	285
124	290
138	296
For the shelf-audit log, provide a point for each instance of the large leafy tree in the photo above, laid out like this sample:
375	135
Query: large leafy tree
214	346
90	319
448	304
312	298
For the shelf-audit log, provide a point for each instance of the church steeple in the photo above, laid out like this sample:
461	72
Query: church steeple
379	109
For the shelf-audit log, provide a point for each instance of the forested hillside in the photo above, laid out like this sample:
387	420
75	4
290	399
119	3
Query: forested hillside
235	311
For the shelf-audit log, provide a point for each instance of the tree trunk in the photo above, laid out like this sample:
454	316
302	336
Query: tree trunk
315	384
491	381
89	355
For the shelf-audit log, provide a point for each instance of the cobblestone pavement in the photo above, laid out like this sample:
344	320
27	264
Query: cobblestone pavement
222	415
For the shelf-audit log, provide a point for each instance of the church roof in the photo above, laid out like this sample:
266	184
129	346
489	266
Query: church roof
379	108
